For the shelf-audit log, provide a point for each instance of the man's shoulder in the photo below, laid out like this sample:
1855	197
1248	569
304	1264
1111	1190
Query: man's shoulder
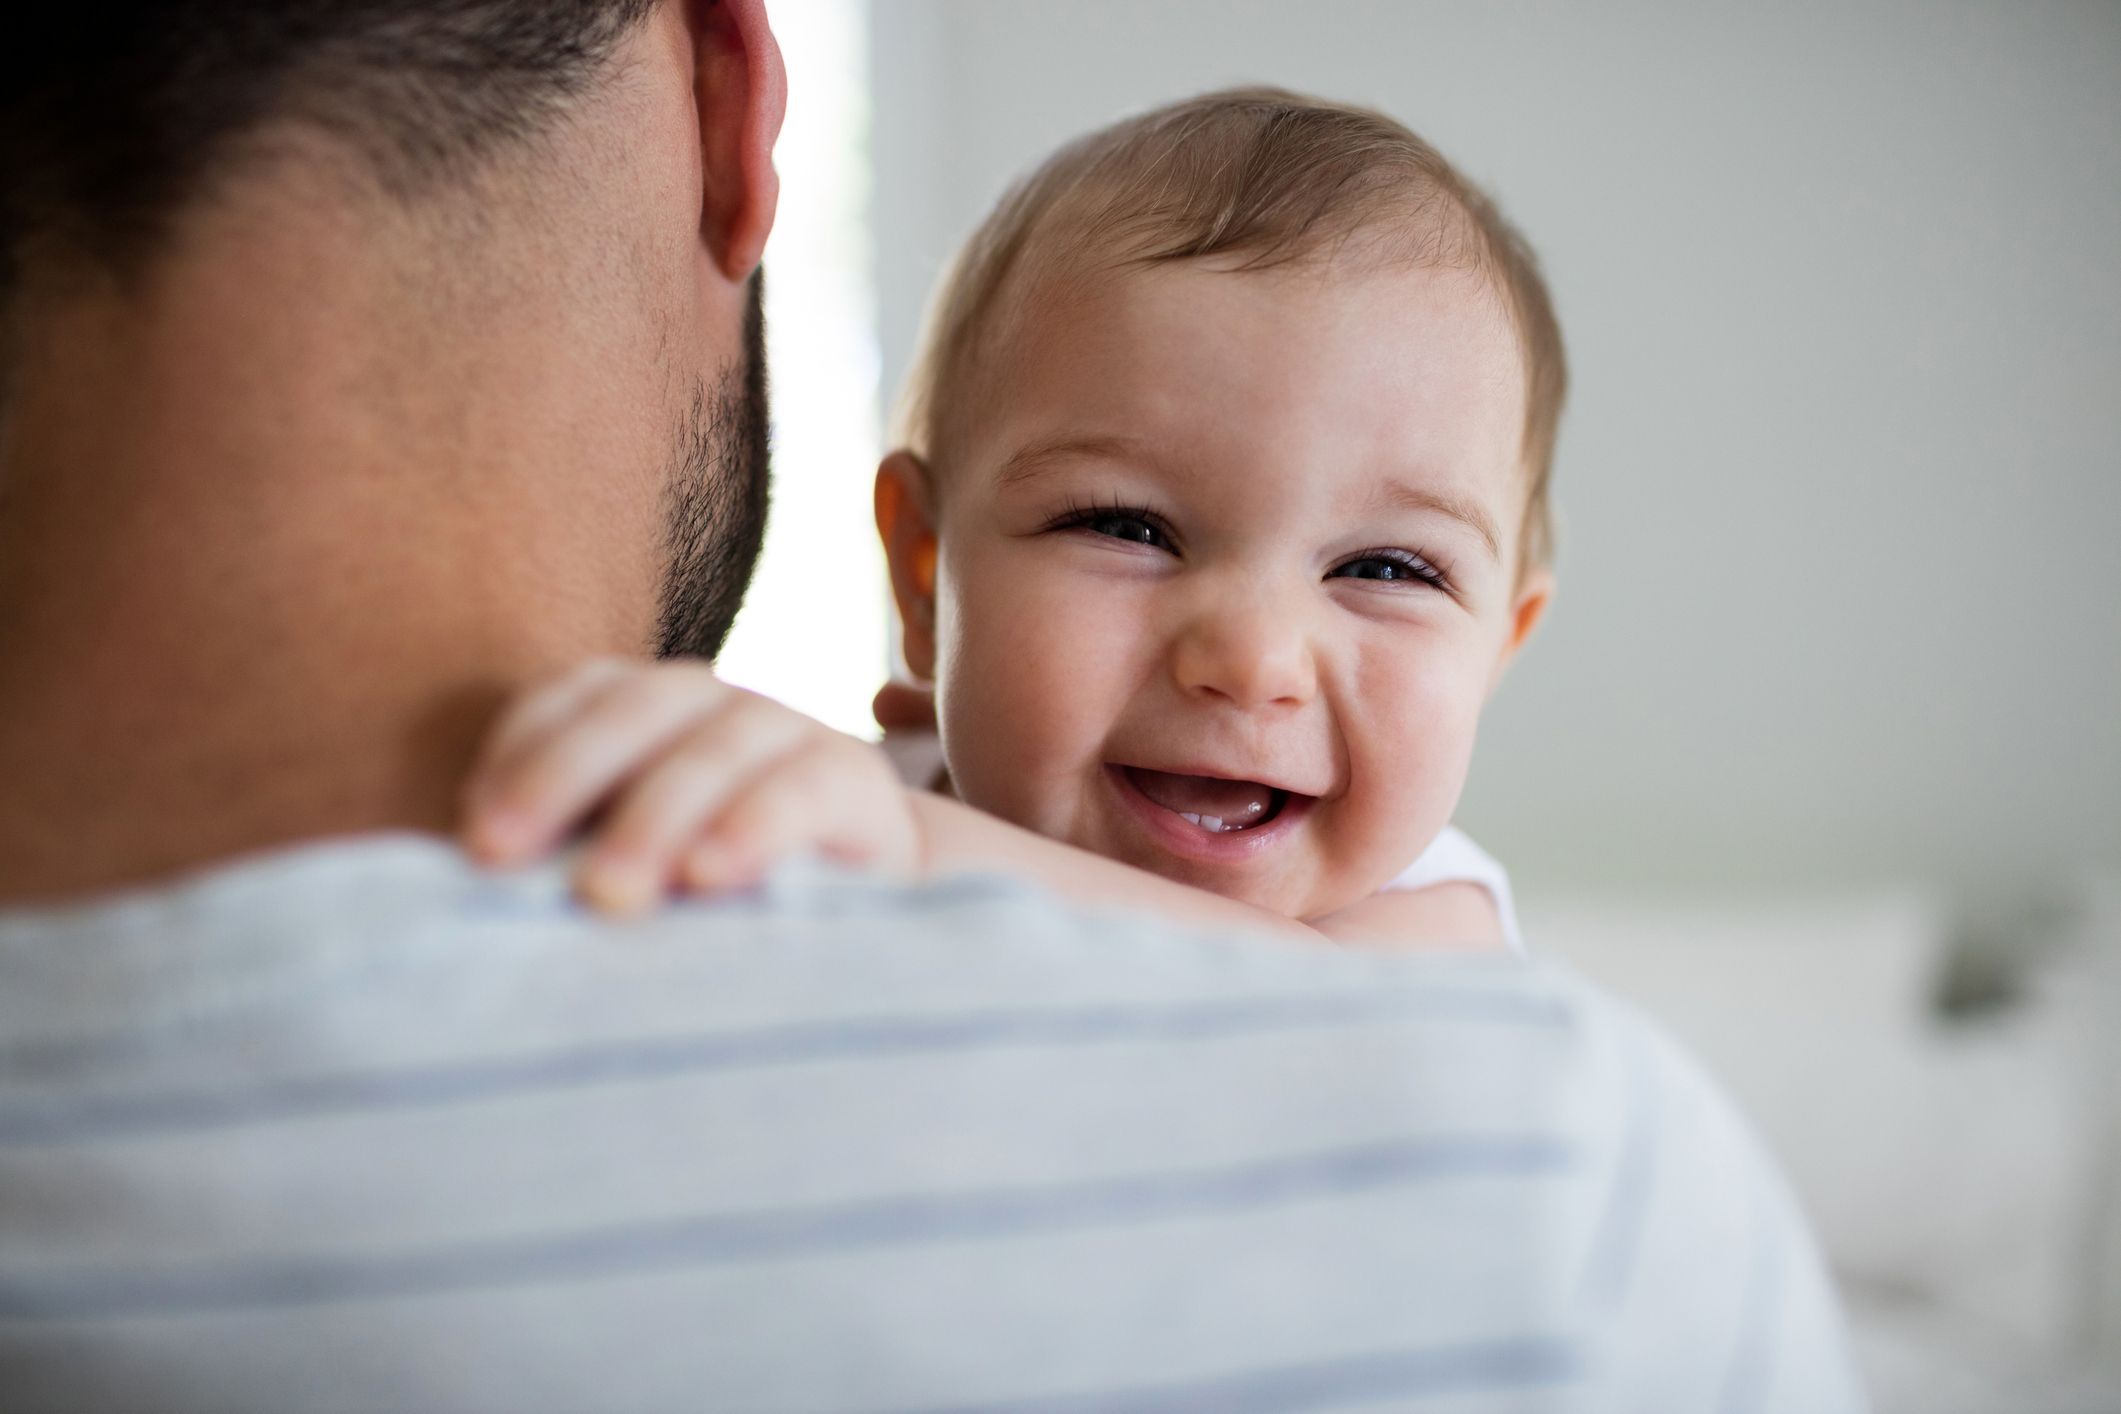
324	1090
397	953
369	979
381	910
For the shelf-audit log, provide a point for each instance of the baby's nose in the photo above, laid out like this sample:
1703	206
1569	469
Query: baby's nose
1249	651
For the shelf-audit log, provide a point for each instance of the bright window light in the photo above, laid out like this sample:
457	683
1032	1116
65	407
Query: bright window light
814	630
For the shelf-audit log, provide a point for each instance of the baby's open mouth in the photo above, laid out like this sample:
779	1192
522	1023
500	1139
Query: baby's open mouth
1217	806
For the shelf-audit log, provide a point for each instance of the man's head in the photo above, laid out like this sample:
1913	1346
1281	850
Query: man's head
361	362
498	150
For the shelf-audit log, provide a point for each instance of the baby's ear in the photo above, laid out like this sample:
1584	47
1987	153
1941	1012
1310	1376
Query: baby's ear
1527	607
906	522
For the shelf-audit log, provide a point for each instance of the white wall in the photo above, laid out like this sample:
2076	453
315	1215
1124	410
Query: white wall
1841	476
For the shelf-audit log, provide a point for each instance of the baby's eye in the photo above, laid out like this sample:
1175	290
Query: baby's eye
1132	528
1390	566
1136	527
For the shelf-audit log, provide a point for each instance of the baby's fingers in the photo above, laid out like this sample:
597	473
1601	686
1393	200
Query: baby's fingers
639	846
806	802
525	801
904	707
537	714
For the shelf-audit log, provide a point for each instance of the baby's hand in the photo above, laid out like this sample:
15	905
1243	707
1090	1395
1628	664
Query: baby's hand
700	785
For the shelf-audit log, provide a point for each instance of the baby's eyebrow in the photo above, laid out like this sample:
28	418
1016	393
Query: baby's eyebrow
1030	460
1398	494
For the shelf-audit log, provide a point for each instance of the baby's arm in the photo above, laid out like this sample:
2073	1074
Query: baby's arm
1458	910
701	786
958	839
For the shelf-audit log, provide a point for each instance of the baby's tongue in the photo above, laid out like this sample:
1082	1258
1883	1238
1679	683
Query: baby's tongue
1232	802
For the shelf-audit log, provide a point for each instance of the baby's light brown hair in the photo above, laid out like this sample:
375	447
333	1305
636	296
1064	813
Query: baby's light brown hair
1255	177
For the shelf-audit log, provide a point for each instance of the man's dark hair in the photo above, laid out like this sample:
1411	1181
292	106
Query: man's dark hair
114	117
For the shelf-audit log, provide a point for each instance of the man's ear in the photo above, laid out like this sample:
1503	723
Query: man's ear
906	522
1527	608
740	88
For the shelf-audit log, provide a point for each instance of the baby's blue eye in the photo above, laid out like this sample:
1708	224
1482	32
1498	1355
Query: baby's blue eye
1135	525
1392	568
1130	528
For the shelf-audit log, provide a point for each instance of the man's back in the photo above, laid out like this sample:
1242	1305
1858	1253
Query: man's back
359	1126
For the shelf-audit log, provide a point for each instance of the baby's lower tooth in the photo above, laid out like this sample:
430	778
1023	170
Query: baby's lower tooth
1183	815
1211	822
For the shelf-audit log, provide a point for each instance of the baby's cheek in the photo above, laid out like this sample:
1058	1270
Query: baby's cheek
1408	756
1015	693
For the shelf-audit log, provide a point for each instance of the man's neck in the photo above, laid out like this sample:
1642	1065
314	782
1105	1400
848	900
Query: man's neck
272	552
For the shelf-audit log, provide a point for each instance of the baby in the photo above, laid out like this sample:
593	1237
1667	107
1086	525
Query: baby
1220	509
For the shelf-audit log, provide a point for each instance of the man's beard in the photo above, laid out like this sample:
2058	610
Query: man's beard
715	501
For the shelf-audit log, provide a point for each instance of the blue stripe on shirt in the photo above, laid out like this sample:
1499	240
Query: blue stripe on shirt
85	1119
711	1239
1509	1363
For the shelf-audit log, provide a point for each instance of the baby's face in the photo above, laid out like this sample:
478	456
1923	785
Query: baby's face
1227	571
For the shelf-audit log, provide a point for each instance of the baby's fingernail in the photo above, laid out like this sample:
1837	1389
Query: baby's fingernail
618	886
500	835
713	868
701	867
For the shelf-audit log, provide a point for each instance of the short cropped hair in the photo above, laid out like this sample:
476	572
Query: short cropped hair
1259	176
113	120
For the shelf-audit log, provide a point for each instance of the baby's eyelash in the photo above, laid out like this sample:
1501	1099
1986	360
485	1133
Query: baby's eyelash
1407	566
1417	567
1077	510
1078	514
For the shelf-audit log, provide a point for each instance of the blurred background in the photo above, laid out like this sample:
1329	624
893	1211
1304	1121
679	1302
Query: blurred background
1818	756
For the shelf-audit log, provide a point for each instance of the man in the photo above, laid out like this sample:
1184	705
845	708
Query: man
368	361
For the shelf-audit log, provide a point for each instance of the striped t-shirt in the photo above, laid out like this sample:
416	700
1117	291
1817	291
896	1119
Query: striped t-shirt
359	1127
